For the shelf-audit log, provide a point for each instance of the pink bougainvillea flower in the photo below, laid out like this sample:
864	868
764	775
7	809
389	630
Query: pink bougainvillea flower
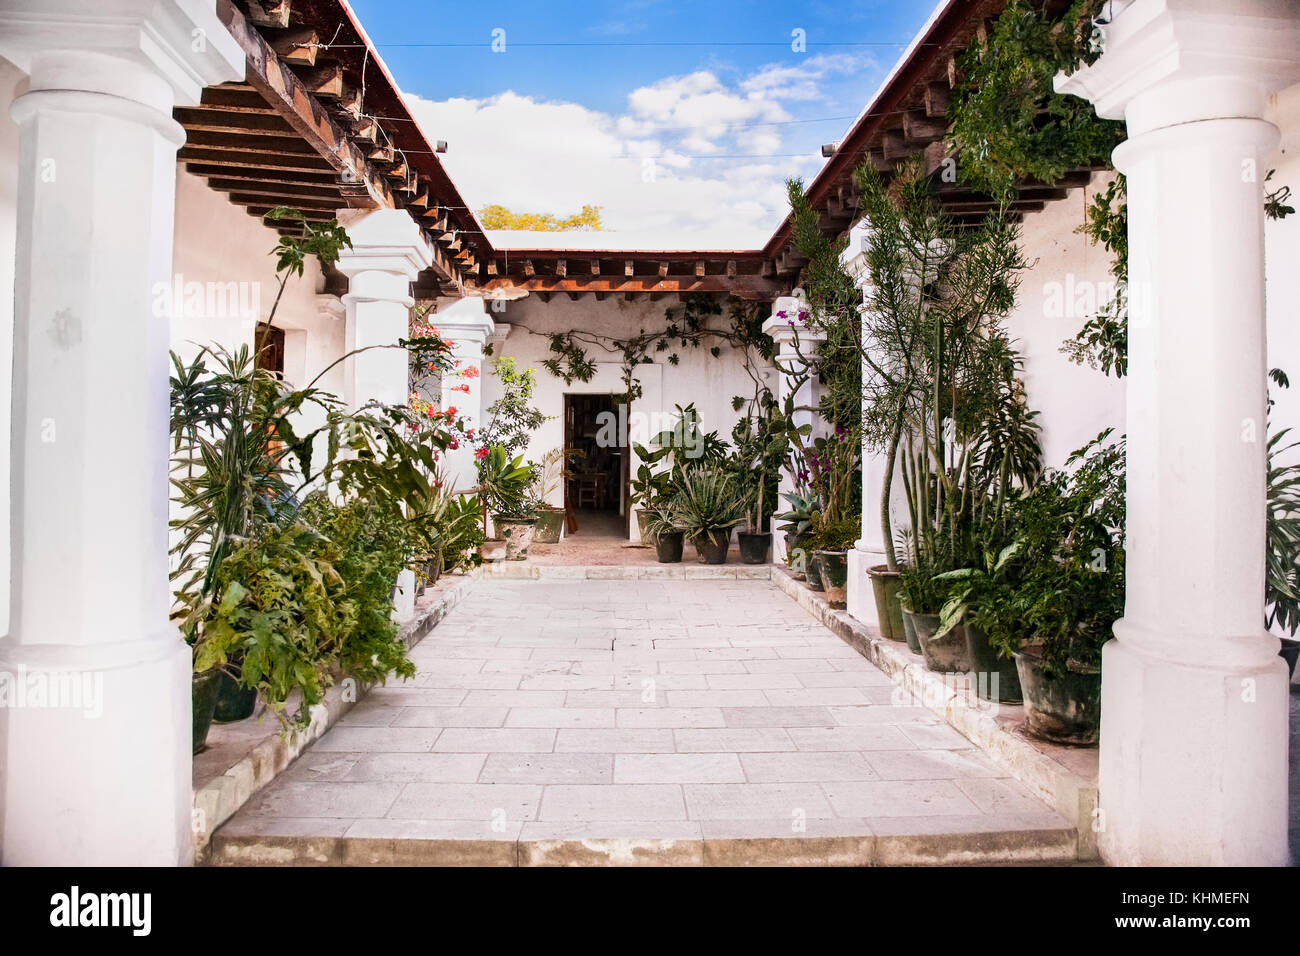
460	388
451	411
470	372
454	444
481	454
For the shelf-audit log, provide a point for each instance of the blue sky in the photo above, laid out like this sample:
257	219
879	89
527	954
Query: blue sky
681	119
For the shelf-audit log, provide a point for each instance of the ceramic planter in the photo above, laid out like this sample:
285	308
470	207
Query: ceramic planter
944	655
889	613
492	550
550	521
203	695
1064	709
754	546
833	569
812	570
668	547
234	701
909	632
988	666
643	526
793	544
1289	652
518	535
713	547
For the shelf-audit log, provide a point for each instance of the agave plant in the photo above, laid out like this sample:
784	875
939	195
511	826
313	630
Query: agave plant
708	503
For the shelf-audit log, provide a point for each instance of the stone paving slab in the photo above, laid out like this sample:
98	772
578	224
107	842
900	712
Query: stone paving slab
692	722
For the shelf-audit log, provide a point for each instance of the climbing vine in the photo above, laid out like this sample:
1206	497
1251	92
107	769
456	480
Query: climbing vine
689	325
1010	125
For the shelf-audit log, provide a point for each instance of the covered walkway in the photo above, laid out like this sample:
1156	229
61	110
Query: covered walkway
676	721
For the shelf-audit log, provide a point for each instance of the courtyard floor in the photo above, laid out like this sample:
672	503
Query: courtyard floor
673	721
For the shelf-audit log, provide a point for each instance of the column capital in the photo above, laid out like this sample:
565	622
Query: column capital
158	52
467	320
1169	62
386	240
787	324
497	337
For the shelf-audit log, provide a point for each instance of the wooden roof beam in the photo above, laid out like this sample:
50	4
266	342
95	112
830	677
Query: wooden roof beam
268	13
297	46
280	86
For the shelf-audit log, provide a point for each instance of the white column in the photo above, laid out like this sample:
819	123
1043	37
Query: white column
106	779
786	328
468	326
869	550
1194	696
387	254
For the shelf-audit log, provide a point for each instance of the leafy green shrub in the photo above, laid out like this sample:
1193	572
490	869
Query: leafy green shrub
1063	588
373	546
285	607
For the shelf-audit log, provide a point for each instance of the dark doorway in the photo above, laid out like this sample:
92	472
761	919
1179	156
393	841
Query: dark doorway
595	493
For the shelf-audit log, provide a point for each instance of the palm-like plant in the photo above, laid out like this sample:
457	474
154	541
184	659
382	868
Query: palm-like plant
232	445
1282	567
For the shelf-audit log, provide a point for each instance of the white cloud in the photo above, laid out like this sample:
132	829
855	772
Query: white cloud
535	156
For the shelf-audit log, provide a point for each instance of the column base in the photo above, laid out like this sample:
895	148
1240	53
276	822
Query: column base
1193	763
404	605
862	599
105	779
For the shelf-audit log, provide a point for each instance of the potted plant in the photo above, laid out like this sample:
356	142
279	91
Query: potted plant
707	506
1282	579
762	448
204	686
661	526
1058	610
974	589
551	472
829	547
503	485
796	522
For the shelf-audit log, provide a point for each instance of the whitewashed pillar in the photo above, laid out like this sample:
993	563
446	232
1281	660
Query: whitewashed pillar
106	779
787	329
387	254
869	550
467	324
1194	696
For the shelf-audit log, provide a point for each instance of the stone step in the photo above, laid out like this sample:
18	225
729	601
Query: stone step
1042	839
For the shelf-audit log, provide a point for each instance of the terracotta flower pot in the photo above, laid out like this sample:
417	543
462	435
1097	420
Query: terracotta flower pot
944	655
798	563
713	547
549	523
203	695
1064	709
990	666
833	569
909	631
889	613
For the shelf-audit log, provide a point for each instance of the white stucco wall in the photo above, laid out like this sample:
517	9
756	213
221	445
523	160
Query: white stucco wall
219	243
1282	263
699	377
1074	402
10	78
